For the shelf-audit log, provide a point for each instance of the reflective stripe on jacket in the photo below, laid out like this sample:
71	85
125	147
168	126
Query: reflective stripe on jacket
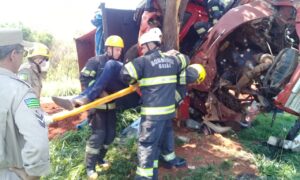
156	74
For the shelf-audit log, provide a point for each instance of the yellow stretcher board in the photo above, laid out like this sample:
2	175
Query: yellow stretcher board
65	114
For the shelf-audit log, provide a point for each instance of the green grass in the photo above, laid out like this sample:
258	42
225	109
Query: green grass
65	87
212	171
67	154
272	162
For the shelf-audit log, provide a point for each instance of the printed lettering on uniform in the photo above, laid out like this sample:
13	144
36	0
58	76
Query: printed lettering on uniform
162	63
32	103
40	117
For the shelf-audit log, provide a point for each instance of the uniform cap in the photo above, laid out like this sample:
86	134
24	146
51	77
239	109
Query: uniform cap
11	37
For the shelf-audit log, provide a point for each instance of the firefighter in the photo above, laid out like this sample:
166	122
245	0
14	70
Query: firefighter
102	73
194	73
36	68
156	74
24	145
103	69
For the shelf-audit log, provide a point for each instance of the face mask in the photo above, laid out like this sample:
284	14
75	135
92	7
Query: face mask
45	66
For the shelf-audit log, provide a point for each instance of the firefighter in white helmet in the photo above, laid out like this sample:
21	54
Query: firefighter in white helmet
156	74
36	68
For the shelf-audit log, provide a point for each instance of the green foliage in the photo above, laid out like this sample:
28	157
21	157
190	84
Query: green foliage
272	162
64	64
125	118
31	35
63	75
61	88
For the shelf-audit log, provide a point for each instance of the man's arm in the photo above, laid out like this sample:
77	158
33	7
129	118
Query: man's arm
88	73
30	122
132	71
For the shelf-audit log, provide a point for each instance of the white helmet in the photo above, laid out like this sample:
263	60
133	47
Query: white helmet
153	35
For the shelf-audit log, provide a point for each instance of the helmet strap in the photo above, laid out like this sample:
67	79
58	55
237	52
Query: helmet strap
37	66
148	47
112	52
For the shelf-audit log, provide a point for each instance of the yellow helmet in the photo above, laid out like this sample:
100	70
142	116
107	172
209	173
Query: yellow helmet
38	49
114	41
200	70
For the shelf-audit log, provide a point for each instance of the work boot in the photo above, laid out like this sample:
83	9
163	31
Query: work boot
70	104
80	100
103	164
92	175
178	162
90	161
100	159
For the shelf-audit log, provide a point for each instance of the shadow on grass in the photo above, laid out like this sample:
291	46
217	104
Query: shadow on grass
272	162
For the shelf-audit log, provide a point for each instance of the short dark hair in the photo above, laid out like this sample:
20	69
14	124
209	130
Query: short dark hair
6	50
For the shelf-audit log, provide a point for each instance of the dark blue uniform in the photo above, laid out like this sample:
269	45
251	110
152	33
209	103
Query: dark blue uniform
157	76
100	74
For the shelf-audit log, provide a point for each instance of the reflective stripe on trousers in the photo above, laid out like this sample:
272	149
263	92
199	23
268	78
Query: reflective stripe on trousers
146	172
169	157
158	110
91	150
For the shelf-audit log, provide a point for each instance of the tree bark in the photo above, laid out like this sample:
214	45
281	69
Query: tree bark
171	25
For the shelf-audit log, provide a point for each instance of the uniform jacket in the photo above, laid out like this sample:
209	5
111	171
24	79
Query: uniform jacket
93	68
157	76
29	73
23	133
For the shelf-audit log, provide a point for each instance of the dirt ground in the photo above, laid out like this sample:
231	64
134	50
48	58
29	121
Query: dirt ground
60	127
200	151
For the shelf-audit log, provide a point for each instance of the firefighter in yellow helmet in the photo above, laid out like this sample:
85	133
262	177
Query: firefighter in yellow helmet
36	68
100	76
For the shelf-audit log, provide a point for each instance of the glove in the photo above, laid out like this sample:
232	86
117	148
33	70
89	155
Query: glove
22	174
48	119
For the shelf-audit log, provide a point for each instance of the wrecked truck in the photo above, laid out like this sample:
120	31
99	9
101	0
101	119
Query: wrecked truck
251	55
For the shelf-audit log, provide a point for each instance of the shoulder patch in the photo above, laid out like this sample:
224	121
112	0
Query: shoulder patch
32	103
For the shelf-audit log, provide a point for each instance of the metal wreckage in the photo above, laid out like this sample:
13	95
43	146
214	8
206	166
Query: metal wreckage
250	54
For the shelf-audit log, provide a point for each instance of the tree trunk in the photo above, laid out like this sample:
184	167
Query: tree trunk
171	25
181	10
